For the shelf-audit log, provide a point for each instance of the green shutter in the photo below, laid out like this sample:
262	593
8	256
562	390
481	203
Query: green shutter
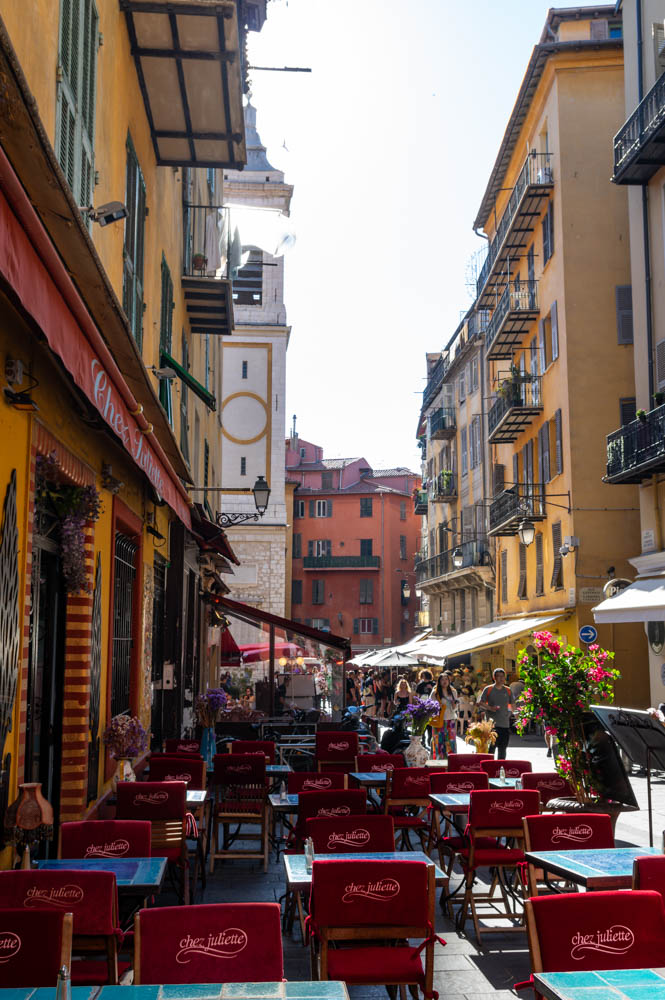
375	626
75	96
356	626
312	508
165	326
329	508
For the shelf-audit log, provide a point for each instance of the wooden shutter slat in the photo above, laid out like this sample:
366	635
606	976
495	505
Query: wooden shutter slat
554	319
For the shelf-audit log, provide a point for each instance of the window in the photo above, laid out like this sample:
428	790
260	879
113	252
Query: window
184	402
504	575
366	626
475	443
75	96
165	329
248	284
206	379
462	387
321	623
132	268
320	508
557	568
319	547
303	452
627	410
296	547
624	306
296	591
210	177
365	546
402	510
554	331
474	375
521	586
299	508
540	574
366	506
558	442
318	592
544	453
548	233
244	369
367	591
465	457
402	546
326	480
498	479
243	466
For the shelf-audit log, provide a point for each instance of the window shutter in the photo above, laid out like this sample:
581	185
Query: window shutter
308	621
559	441
540	576
516	468
624	307
310	548
329	508
328	547
67	135
297	546
598	31
312	508
660	363
545	449
557	568
499	478
504	575
628	410
465	457
356	626
550	216
554	319
375	626
542	356
521	587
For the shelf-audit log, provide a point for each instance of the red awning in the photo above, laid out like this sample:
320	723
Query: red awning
210	536
255	616
230	653
250	654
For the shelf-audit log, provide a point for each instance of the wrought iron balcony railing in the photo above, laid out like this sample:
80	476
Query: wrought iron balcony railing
637	450
442	423
341	562
513	505
520	400
515	312
638	145
206	269
434	381
532	185
474	553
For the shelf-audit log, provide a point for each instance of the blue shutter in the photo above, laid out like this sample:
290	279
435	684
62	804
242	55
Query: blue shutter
356	626
329	510
375	626
312	509
310	548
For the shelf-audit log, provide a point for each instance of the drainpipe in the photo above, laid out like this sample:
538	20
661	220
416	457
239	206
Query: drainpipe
645	213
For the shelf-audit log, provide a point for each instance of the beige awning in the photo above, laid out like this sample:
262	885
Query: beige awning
493	634
642	601
188	60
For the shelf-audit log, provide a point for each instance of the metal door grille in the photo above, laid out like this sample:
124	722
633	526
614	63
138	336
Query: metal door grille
123	623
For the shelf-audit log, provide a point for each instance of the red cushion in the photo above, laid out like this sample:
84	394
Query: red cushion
94	971
569	831
375	965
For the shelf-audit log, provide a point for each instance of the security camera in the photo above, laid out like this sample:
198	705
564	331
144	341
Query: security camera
564	550
113	211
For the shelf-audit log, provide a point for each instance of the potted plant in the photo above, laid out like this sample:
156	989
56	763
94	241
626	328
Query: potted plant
642	416
559	686
418	715
482	735
207	709
659	398
125	738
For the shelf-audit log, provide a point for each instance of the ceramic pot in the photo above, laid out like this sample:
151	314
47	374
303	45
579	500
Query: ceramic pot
123	771
416	754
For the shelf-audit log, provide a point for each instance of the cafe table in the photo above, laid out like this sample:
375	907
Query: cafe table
611	868
369	779
134	876
616	984
328	990
506	783
452	804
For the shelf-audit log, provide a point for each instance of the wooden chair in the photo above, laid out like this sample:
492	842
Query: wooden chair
451	841
314	781
512	768
241	797
187	768
183	746
35	945
336	751
266	747
564	832
379	762
163	803
351	834
467	761
649	873
407	801
550	785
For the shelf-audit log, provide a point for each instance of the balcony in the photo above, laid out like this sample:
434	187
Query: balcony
474	553
420	502
443	487
434	381
205	281
478	323
639	149
513	505
637	450
341	562
520	400
516	310
442	423
518	221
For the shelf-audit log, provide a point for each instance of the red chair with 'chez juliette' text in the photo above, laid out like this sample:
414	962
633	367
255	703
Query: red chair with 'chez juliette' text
266	747
452	840
314	781
407	801
512	768
564	832
550	785
241	798
34	945
183	746
163	803
351	834
378	762
105	838
467	761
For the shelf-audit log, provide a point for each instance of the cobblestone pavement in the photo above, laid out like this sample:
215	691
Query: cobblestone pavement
463	970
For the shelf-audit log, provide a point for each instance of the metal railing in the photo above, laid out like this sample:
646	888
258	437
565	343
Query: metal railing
342	562
443	485
474	553
521	391
537	170
420	502
639	443
515	298
478	322
646	119
434	381
207	235
517	502
442	419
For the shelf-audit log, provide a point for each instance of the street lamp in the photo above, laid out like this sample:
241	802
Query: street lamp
526	531
458	557
261	492
406	591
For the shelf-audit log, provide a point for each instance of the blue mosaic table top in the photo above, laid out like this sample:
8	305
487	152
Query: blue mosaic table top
453	803
596	869
288	805
133	874
214	991
619	984
298	878
277	770
376	778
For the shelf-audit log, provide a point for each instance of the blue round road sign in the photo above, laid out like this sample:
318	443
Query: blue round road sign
588	634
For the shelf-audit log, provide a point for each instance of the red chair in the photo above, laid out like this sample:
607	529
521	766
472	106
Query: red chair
467	761
351	834
209	943
564	832
496	813
407	800
163	803
369	762
451	840
92	899
550	785
593	931
360	903
105	838
186	768
649	873
333	804
266	747
336	748
512	768
183	746
457	782
34	945
314	781
241	797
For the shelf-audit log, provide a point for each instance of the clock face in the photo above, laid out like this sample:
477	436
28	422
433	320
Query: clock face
656	633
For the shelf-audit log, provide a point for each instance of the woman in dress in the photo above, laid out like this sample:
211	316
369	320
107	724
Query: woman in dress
403	695
444	726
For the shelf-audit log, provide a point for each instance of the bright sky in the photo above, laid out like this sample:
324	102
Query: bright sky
389	143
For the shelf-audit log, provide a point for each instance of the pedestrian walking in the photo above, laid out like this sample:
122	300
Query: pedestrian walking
467	704
403	695
444	726
496	700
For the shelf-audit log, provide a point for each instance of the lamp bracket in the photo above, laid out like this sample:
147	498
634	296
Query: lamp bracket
225	520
